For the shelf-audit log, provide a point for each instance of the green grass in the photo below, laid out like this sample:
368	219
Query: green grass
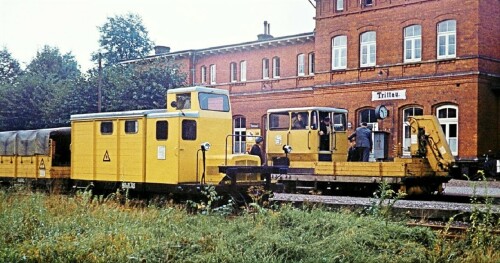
40	228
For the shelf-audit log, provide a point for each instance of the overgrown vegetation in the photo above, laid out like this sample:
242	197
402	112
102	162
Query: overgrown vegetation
85	228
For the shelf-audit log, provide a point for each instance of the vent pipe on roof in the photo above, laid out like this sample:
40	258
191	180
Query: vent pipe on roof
267	32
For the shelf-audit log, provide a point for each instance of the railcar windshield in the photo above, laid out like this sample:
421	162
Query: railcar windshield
279	121
213	102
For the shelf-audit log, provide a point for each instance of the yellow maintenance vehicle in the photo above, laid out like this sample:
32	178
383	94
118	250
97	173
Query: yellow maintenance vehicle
317	161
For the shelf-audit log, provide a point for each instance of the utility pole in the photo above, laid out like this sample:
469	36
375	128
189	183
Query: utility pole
99	84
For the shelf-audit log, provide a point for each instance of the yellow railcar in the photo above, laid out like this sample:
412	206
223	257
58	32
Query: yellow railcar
170	150
319	162
35	157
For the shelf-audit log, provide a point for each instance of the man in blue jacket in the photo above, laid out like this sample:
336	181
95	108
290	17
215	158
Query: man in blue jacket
363	141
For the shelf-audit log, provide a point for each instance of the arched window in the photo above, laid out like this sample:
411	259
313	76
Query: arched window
203	74
301	71
448	118
408	112
276	67
368	49
239	141
233	72
339	52
265	68
413	43
447	37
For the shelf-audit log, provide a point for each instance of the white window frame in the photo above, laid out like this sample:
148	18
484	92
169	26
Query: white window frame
447	38
276	67
311	62
339	52
339	5
243	70
448	122
213	74
413	43
233	72
203	74
368	49
301	65
265	68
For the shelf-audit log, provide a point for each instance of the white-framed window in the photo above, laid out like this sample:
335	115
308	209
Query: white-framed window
448	118
311	63
408	112
203	74
276	67
339	52
265	68
213	73
446	42
339	5
301	71
240	130
233	73
243	70
368	49
413	43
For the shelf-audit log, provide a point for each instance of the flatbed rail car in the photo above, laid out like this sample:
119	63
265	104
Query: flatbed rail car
176	150
39	158
322	166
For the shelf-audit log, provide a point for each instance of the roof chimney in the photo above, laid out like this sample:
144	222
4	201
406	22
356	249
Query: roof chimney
267	32
161	50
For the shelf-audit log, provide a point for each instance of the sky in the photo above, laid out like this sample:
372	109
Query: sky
72	25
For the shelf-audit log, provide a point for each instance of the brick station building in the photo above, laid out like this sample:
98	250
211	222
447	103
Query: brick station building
439	57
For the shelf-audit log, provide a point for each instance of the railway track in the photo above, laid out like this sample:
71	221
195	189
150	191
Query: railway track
421	209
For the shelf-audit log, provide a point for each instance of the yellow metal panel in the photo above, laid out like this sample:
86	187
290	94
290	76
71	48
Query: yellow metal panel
7	166
131	151
107	155
162	156
82	150
27	167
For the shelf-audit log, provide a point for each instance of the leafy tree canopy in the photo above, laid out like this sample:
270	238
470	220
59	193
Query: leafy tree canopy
51	63
9	67
123	37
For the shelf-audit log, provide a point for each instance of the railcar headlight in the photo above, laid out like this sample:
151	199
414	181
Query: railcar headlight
205	146
287	148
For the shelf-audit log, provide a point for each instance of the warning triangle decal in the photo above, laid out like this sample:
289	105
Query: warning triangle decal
106	157
42	165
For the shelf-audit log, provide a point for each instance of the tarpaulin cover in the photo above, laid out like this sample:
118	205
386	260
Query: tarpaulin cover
27	143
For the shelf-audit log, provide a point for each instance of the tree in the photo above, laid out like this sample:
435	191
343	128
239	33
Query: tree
135	87
36	99
9	67
123	37
52	64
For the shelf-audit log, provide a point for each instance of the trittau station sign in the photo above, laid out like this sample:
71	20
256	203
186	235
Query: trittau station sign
389	95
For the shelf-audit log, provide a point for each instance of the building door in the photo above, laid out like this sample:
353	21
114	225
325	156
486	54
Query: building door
408	112
239	140
448	118
368	116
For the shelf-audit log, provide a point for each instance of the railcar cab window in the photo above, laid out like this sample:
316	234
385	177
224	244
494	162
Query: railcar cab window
161	130
339	121
106	127
189	130
213	102
131	126
183	101
300	120
279	121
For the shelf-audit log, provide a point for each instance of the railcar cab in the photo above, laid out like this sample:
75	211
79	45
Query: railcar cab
315	134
